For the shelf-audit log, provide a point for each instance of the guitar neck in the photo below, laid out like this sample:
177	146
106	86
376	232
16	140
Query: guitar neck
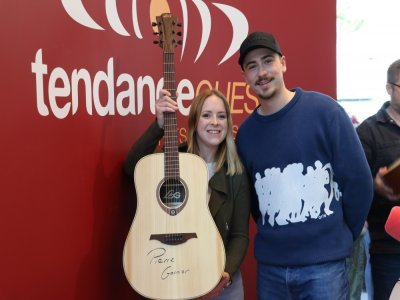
170	120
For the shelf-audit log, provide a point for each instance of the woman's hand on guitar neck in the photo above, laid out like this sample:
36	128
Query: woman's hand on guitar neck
164	104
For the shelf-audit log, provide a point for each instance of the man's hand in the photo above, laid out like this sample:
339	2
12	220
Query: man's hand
381	188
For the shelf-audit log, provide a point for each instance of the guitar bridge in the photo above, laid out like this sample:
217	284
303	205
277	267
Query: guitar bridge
173	238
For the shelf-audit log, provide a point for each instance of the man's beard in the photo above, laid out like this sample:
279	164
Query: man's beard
266	96
396	108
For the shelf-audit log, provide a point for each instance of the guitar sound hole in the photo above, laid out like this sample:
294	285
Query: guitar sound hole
173	194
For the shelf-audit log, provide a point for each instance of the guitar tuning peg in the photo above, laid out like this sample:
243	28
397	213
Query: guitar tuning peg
179	33
153	24
179	24
156	42
180	42
156	33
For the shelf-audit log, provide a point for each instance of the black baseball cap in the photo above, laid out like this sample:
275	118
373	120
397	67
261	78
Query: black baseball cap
256	40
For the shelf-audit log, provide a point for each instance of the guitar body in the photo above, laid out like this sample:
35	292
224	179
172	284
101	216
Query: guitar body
173	249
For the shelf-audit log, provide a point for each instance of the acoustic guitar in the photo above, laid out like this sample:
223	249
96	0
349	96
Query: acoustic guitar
173	249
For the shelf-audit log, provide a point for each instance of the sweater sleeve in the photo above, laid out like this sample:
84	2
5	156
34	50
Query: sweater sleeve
351	171
145	145
254	206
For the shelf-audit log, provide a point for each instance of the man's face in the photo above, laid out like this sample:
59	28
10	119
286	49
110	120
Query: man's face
263	70
393	90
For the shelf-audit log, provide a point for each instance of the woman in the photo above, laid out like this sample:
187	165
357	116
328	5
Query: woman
210	136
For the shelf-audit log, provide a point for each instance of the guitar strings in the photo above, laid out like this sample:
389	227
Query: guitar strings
171	146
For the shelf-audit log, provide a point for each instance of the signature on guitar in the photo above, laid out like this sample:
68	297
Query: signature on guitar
158	256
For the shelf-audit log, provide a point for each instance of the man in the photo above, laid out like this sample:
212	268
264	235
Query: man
312	185
380	137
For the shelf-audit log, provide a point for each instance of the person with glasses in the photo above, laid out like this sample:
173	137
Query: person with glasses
380	137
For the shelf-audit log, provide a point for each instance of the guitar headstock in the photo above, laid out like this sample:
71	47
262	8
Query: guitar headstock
167	33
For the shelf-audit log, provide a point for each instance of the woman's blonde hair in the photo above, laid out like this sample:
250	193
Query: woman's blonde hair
227	149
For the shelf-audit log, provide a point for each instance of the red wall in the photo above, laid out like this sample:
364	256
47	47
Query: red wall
65	206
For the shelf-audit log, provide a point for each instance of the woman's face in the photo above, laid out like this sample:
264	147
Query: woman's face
213	124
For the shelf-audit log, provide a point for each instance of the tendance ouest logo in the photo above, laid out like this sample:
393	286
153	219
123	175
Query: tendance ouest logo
131	100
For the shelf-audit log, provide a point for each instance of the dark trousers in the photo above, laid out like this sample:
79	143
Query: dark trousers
385	274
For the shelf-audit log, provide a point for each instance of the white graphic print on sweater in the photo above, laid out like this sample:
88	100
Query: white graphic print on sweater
291	196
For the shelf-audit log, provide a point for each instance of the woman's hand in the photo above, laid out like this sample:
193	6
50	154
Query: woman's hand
223	283
164	104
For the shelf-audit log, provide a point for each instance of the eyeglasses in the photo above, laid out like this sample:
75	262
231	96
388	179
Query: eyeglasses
394	84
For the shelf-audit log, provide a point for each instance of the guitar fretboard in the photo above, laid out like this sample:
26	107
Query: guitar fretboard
171	158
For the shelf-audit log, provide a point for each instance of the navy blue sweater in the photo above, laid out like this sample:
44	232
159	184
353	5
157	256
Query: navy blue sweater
312	184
